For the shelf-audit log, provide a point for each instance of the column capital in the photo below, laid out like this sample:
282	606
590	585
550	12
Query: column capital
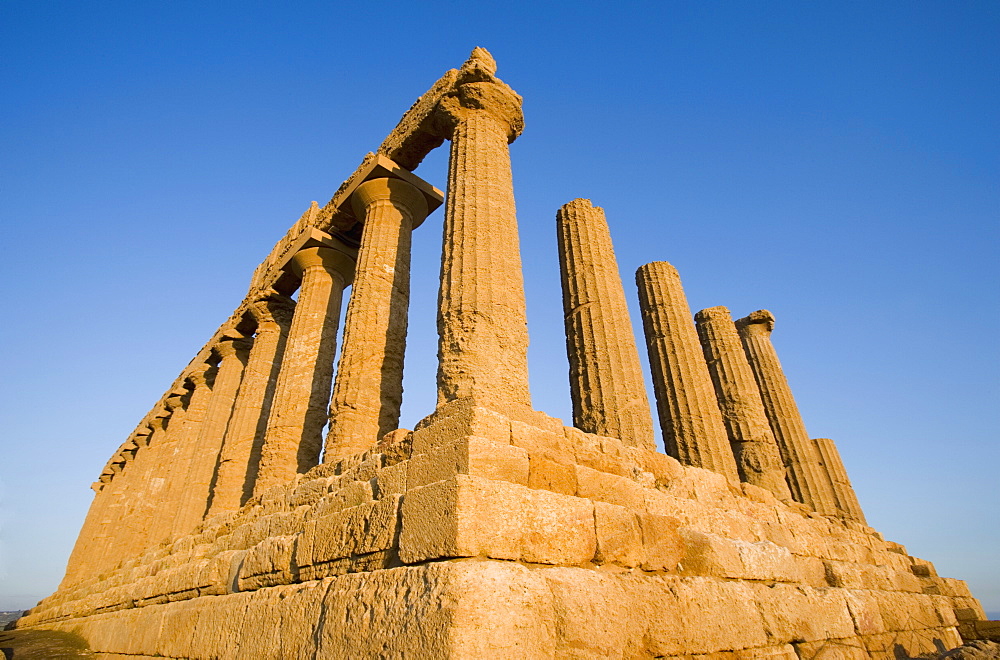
477	89
229	347
331	259
399	192
201	375
275	309
759	321
713	314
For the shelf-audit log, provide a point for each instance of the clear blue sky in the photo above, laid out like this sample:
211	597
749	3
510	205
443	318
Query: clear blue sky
836	163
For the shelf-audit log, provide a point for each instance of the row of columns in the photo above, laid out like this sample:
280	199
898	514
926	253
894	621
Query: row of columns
253	415
724	403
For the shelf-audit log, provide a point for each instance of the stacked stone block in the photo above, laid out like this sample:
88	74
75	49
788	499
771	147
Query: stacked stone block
446	521
490	530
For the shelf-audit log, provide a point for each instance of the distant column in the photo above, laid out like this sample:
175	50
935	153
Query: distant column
143	516
754	446
806	478
847	500
99	548
300	408
233	355
482	324
368	390
606	382
693	431
241	448
201	380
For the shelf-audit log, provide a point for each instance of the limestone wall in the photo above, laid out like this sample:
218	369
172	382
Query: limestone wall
479	536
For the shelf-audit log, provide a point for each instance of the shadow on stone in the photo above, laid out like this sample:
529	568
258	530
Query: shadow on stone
42	644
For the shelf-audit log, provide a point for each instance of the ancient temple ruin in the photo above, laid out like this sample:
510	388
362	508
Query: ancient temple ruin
268	506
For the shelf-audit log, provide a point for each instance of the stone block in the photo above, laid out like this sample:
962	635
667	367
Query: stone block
796	613
472	455
604	487
619	537
456	420
545	444
663	546
470	516
595	617
309	492
865	613
589	452
953	587
391	480
362	529
922	568
663	468
546	474
766	561
267	564
906	611
716	615
500	610
709	555
848	648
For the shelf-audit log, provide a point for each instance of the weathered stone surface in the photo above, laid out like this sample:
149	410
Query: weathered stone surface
469	516
193	505
693	431
491	530
292	441
806	478
237	467
368	390
754	446
843	491
605	377
483	336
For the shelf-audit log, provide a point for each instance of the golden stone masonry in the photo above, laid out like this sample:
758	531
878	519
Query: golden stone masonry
229	525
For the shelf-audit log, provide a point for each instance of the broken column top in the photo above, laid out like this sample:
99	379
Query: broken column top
761	316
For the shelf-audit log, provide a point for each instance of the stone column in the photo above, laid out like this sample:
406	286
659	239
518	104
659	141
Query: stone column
368	391
102	530
201	380
756	451
482	324
144	516
806	479
237	468
693	431
605	376
301	403
233	355
847	500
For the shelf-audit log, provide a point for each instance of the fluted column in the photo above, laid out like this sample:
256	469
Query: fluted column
102	528
693	431
605	376
301	403
482	325
144	517
237	466
756	451
201	380
847	500
197	485
806	478
368	390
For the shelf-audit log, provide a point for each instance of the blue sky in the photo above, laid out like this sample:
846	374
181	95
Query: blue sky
836	163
